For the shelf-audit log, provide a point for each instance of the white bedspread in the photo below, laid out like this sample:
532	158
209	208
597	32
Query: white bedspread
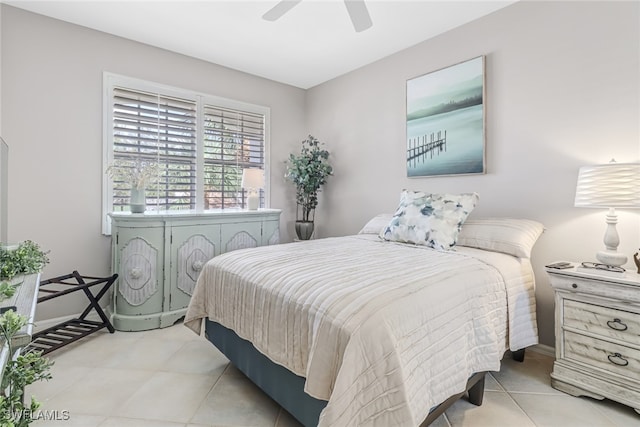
383	331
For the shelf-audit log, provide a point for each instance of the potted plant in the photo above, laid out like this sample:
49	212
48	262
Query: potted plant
308	171
137	173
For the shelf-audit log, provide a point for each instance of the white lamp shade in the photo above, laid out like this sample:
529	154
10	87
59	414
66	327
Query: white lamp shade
252	178
614	185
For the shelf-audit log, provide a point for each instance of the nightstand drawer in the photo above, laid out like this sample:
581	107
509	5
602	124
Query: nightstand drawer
605	321
614	358
589	285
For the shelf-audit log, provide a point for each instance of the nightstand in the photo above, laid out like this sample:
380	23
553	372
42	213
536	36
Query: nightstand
597	325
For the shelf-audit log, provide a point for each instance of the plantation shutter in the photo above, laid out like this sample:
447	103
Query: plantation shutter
153	128
233	140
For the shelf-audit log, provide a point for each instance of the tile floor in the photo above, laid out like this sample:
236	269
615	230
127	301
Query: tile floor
173	378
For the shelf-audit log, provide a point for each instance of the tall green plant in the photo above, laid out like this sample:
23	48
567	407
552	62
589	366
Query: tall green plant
309	171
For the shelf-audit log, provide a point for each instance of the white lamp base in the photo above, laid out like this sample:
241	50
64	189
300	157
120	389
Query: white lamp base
253	201
610	255
611	258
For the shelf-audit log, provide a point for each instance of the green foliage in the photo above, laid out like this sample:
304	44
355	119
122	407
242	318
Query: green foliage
7	290
27	258
308	172
20	372
10	324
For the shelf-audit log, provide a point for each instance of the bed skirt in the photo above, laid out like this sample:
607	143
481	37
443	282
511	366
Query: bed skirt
283	386
287	389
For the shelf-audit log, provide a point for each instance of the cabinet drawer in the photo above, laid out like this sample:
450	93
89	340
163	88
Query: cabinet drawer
619	359
605	321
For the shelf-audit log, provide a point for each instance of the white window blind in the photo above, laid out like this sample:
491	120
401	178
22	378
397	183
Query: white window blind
233	141
200	142
157	129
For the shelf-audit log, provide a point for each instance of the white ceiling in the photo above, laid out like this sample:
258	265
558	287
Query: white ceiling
312	43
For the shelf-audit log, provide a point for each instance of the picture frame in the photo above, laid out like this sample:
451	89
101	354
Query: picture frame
445	121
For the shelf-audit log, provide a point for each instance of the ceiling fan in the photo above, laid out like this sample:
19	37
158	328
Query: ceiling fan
356	8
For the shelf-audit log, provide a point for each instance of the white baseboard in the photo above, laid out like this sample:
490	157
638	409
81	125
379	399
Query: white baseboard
547	350
43	324
40	325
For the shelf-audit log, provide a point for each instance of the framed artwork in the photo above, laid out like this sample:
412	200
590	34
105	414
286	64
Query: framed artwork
446	121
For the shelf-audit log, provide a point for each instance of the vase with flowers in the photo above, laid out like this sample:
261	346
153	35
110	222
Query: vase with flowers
137	174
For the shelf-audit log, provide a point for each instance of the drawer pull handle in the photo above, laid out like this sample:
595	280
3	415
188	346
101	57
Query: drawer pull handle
574	286
617	359
616	324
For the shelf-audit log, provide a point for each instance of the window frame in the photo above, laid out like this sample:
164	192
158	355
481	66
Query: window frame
111	80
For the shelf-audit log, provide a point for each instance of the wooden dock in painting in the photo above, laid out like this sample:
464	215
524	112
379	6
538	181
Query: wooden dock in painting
421	147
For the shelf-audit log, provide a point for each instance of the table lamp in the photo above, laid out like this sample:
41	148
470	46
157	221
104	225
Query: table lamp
252	180
613	185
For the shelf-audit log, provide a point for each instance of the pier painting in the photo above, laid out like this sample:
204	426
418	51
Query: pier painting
445	121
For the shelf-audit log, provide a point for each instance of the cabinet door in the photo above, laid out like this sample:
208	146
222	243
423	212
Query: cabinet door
241	235
140	268
191	247
271	231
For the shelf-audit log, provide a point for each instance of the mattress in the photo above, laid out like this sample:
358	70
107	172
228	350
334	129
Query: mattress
382	331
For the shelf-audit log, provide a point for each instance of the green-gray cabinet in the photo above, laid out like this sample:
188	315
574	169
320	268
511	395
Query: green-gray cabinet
159	255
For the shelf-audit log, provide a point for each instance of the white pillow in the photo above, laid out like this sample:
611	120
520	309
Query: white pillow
510	236
432	220
376	224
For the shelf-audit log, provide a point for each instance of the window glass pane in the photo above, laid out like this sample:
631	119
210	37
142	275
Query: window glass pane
233	141
222	186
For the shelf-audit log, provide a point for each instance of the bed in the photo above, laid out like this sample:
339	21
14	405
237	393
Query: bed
357	330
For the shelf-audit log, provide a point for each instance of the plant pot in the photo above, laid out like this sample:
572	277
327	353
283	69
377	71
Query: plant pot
138	201
304	229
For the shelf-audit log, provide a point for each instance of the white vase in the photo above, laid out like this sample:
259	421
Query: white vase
138	201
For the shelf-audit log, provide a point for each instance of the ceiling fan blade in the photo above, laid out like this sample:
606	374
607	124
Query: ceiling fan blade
280	9
359	14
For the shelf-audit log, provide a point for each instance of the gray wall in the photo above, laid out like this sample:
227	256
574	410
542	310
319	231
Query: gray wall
562	91
0	70
52	120
562	81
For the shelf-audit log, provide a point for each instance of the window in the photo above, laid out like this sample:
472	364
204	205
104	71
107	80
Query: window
200	144
233	141
152	128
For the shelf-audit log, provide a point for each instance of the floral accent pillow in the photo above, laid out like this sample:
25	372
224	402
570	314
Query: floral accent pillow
432	220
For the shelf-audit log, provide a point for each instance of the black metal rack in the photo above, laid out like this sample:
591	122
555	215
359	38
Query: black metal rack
72	330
